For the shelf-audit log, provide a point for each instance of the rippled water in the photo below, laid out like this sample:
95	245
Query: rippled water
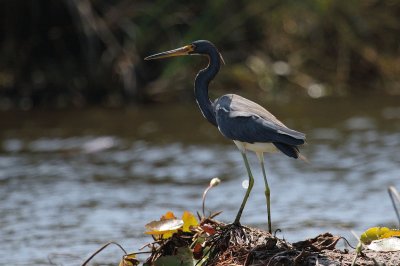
72	181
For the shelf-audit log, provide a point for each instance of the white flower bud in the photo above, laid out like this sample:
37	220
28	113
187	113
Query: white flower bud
215	182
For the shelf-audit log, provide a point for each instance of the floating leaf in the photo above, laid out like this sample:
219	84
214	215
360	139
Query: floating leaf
129	260
188	220
164	227
385	244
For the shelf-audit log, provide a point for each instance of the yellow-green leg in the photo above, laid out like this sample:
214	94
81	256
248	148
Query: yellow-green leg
267	190
251	183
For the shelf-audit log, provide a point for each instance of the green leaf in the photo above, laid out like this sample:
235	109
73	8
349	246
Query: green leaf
182	258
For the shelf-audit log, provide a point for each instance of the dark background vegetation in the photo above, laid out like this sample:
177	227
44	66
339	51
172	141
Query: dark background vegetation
90	52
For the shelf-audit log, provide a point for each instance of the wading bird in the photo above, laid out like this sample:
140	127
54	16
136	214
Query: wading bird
249	125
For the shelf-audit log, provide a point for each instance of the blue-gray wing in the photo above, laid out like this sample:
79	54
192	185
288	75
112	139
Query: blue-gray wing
243	120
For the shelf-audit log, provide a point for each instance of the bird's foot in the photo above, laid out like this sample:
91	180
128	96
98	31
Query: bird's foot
234	232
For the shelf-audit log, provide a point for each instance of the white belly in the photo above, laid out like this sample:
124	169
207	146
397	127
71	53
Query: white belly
257	147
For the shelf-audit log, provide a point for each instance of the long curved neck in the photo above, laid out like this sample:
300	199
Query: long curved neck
201	83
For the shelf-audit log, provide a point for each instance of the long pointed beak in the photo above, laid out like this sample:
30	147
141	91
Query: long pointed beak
185	50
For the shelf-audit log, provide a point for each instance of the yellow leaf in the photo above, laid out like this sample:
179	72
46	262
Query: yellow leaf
375	233
168	215
391	233
169	225
129	260
188	220
168	234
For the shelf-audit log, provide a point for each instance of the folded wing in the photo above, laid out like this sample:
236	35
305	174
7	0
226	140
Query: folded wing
243	120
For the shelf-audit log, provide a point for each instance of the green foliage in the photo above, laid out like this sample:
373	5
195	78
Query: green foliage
183	257
342	46
90	51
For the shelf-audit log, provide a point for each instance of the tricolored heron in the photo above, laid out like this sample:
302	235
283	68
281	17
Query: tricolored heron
249	125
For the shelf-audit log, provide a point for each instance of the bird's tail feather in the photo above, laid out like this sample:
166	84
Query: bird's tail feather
291	151
289	140
303	158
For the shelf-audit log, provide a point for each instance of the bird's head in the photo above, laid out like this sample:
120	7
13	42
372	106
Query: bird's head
200	47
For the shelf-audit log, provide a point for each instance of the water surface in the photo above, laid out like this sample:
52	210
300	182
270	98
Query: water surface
71	181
